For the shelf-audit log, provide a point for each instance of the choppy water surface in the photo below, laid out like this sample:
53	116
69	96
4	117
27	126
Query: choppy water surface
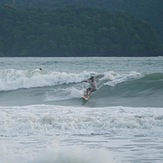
43	118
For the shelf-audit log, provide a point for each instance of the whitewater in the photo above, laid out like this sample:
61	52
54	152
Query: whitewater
44	120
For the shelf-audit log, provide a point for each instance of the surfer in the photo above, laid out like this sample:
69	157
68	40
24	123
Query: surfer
92	87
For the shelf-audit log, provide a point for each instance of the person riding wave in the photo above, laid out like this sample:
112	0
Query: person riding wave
92	87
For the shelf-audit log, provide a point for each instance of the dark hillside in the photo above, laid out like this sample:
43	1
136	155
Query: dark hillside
74	31
150	11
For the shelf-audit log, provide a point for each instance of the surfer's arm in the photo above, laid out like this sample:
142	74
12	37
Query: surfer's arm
84	81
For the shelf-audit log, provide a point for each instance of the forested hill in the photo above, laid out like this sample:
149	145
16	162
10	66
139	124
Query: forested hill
74	31
147	10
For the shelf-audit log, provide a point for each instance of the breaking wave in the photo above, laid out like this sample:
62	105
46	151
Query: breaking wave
43	87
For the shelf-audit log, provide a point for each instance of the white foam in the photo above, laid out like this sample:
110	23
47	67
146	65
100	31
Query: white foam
74	154
71	120
6	153
75	93
115	78
27	129
55	153
11	79
60	94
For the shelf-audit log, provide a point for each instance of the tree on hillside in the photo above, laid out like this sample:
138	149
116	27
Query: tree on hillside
75	31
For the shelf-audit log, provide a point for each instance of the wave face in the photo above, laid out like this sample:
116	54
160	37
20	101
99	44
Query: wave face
145	91
61	88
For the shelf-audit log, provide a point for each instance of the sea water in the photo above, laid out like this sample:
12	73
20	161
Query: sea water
44	120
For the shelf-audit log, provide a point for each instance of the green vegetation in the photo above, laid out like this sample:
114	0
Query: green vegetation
74	31
150	11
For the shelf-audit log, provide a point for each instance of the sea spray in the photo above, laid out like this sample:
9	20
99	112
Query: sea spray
74	154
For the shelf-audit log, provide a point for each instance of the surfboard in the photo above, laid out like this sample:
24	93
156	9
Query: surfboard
85	98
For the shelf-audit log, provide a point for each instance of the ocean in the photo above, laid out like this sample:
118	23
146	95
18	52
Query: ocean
43	118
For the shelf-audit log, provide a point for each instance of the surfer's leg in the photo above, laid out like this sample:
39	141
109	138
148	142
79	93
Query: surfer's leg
88	91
